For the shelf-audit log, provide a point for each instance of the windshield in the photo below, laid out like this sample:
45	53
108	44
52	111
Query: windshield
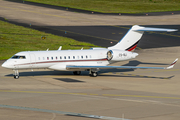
18	57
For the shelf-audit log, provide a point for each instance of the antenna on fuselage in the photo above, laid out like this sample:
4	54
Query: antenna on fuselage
60	48
82	48
47	49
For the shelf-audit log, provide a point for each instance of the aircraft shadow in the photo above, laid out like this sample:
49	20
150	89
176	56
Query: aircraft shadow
43	73
68	80
135	76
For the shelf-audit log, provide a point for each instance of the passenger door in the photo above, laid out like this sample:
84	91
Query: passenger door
32	60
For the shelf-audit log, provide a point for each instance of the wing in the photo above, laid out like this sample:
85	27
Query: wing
83	67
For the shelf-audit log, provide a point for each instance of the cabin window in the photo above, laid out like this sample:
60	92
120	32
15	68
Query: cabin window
82	57
60	57
86	56
52	58
38	58
64	57
69	57
90	56
73	57
56	58
47	58
43	58
78	57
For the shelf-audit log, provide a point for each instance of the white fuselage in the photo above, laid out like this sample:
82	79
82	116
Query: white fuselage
58	59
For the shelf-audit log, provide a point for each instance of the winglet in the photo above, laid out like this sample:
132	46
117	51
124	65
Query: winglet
172	65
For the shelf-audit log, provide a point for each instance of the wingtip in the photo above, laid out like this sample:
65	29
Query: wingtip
172	65
172	30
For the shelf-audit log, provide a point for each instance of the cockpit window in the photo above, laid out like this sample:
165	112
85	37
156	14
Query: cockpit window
18	57
22	57
15	57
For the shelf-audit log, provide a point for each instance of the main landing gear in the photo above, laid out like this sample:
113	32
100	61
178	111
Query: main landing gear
16	74
76	72
93	73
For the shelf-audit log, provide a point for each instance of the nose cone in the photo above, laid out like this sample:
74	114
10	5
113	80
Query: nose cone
6	65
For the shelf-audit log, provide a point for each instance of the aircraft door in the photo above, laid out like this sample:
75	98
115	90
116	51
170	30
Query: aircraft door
32	60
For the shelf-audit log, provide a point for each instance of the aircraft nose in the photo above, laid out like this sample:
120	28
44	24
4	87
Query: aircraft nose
6	65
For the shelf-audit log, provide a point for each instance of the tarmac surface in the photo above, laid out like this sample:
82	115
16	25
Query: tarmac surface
135	94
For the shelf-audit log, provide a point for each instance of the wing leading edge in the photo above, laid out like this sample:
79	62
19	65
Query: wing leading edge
69	67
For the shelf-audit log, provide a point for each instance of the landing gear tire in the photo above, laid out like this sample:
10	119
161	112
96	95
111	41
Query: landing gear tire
16	76
93	74
77	72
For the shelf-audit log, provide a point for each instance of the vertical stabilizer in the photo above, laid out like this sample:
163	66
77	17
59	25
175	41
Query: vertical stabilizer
130	40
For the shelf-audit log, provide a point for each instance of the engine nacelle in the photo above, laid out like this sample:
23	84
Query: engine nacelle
119	55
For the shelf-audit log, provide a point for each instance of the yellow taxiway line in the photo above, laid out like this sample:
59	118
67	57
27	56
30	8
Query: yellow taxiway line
90	94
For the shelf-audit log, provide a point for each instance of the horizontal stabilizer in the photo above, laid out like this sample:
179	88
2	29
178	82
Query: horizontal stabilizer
139	28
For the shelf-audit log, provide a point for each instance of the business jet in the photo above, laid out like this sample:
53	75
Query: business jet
91	60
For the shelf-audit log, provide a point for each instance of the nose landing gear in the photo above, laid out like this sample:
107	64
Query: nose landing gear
16	74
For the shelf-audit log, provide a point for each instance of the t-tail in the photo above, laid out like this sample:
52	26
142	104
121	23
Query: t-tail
130	40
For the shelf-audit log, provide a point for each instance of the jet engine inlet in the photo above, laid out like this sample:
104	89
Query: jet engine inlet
109	55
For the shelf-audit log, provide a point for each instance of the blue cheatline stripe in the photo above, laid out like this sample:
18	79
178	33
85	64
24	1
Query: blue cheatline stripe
61	112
